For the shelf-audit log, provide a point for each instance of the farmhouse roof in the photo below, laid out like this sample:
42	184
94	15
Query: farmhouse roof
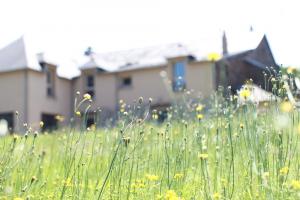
17	56
260	57
137	58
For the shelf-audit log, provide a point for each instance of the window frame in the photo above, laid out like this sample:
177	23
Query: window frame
90	89
90	83
50	83
179	76
123	84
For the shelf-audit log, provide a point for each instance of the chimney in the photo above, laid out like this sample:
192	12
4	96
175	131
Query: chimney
224	44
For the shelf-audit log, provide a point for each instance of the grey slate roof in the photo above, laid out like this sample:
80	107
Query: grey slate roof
136	58
17	56
20	54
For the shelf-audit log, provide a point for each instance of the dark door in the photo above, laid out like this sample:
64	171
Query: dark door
50	123
9	117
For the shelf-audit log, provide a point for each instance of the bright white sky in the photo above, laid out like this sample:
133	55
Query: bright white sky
66	28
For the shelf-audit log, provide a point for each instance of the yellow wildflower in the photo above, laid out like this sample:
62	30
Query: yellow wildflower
284	171
286	106
245	93
18	198
203	156
171	195
199	116
199	108
216	195
138	184
78	113
213	56
142	185
295	184
151	177
87	96
290	70
178	176
67	182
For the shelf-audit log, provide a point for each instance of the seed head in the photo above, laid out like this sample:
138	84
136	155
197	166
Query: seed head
35	134
126	140
241	126
141	99
87	96
15	137
33	179
78	113
41	124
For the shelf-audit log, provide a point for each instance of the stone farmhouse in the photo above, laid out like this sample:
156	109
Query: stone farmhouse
31	85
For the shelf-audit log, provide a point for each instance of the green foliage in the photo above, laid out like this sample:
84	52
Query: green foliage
233	151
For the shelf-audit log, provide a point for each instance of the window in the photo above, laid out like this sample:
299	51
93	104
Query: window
126	82
48	77
90	85
50	92
179	76
50	83
90	81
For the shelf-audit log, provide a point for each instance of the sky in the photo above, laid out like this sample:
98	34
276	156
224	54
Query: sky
65	28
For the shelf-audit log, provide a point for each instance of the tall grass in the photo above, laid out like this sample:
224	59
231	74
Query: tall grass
225	150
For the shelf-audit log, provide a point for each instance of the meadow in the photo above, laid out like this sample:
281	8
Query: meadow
224	149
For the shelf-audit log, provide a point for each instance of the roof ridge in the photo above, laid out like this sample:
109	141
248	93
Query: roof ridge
142	48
